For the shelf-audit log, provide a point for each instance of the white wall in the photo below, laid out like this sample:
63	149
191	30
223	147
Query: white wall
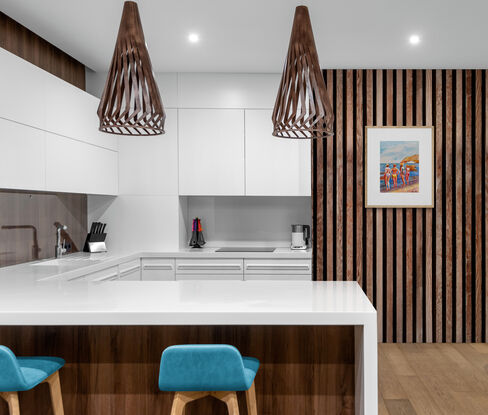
149	215
248	220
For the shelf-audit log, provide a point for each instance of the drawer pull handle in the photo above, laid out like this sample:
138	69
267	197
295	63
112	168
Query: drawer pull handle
85	276
130	270
278	267
158	267
107	277
214	267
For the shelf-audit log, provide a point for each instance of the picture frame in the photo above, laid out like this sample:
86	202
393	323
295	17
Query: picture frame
399	167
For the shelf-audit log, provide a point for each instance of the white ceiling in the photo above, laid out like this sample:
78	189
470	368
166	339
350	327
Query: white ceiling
252	35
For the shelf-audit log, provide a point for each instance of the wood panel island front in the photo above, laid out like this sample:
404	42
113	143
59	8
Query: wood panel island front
316	341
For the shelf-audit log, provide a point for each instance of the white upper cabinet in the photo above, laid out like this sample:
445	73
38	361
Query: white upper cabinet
77	167
22	87
23	156
227	90
72	113
49	134
274	166
211	152
149	165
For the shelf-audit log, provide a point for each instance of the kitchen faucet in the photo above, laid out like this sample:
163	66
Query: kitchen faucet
59	249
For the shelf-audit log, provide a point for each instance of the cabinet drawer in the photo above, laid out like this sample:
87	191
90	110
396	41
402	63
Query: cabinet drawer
278	277
158	269
130	271
209	266
106	274
277	266
209	277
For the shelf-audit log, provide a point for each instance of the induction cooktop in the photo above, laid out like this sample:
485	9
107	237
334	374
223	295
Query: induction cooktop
245	249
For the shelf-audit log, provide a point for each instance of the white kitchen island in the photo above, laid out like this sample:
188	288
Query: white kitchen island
204	303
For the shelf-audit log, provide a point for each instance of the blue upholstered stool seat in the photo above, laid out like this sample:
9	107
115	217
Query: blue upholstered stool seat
212	367
23	373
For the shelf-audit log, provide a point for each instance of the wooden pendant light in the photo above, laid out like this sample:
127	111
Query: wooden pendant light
130	103
302	108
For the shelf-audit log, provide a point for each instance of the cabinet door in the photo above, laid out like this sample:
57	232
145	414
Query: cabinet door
23	157
158	269
275	166
130	271
208	277
107	274
77	167
277	269
72	112
22	87
211	152
209	269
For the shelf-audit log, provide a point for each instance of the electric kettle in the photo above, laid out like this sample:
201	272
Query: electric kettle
300	236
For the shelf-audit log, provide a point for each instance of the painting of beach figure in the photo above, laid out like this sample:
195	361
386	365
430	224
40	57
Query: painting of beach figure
399	166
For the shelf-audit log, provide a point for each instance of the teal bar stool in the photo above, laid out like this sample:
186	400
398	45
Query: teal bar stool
218	370
19	374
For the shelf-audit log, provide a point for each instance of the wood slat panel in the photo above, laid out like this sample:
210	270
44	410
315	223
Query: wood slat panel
449	219
409	277
330	187
419	213
459	206
389	225
339	177
114	370
359	177
20	41
379	219
350	177
439	209
400	312
424	269
428	226
369	212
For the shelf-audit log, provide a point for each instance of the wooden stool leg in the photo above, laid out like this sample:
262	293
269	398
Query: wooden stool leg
178	407
12	399
56	396
230	399
252	408
182	398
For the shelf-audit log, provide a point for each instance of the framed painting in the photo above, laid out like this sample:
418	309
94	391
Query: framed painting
399	169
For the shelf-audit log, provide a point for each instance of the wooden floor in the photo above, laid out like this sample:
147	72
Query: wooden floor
431	379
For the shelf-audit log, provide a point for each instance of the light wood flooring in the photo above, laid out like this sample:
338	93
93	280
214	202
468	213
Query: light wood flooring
432	379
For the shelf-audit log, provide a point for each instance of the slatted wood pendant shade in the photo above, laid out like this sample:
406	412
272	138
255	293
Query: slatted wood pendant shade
131	103
302	108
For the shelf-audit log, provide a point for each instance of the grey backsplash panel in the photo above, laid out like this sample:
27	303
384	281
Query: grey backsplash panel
27	230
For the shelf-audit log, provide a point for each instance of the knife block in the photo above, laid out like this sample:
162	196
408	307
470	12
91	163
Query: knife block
95	242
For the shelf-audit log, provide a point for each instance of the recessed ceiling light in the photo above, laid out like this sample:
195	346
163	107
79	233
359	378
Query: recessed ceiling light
414	39
193	38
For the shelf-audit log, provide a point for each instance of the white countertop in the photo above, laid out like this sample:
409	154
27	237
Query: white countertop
72	266
40	294
185	303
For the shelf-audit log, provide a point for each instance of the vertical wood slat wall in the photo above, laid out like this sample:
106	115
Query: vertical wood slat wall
423	269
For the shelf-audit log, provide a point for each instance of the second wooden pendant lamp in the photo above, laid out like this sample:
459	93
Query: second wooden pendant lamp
130	103
302	109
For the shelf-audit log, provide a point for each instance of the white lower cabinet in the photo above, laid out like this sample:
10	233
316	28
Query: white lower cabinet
158	269
130	271
107	274
277	269
209	269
